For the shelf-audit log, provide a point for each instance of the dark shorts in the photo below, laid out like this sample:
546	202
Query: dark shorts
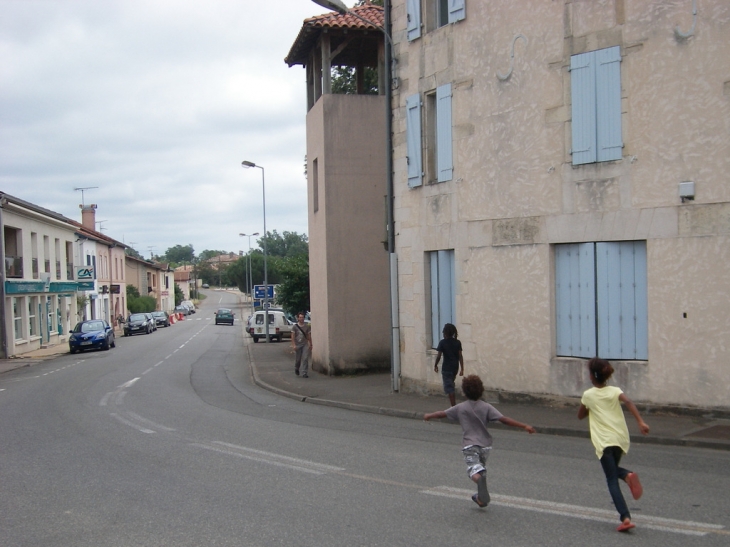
448	378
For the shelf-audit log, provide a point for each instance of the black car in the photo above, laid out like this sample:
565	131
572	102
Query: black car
161	318
92	334
139	323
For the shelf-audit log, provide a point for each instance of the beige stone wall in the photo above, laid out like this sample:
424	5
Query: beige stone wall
348	262
515	192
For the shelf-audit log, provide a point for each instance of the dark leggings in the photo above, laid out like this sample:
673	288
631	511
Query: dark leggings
610	463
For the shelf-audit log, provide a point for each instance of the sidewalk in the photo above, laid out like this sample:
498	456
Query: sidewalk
272	368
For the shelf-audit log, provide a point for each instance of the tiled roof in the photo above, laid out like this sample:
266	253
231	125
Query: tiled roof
332	21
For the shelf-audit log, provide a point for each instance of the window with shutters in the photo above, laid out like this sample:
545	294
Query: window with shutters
429	132
442	291
432	14
595	86
601	300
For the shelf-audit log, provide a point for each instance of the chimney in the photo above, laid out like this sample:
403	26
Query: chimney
88	216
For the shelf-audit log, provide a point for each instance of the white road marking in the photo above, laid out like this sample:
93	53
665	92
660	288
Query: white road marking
131	424
599	515
105	399
139	418
129	384
148	370
119	401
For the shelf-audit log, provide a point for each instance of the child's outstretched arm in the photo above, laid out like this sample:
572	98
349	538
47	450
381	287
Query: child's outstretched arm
434	415
461	364
643	427
514	423
582	411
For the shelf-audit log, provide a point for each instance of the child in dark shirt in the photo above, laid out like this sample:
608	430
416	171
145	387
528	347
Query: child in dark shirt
450	348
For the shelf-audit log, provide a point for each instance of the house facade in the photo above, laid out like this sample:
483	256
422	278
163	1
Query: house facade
561	192
38	298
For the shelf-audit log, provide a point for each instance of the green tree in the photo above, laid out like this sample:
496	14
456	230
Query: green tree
293	290
179	254
131	252
179	296
132	292
137	303
286	244
208	254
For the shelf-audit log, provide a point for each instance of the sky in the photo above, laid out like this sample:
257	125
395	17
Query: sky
156	103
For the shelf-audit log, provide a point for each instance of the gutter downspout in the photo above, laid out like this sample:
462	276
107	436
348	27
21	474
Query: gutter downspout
392	256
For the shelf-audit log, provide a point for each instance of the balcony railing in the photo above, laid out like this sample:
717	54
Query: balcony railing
14	266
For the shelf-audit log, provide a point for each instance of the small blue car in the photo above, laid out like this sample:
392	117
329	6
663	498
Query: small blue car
91	334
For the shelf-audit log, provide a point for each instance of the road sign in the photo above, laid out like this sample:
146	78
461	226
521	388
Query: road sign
260	293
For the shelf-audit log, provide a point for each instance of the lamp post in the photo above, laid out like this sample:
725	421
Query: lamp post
248	164
339	7
249	277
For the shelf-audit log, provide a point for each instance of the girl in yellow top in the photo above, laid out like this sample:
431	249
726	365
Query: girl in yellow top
610	436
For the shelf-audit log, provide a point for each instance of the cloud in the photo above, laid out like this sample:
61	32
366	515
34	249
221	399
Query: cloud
156	104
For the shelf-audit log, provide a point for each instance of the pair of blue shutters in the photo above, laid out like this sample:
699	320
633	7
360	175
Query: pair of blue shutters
443	292
601	300
444	147
596	106
457	12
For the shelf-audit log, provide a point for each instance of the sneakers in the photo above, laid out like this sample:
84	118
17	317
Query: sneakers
632	479
475	499
296	371
625	526
304	375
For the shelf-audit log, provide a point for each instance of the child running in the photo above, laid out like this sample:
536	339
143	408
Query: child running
610	436
450	348
473	415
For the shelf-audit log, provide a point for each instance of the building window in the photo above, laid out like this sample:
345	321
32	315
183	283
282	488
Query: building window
601	300
18	318
434	13
315	185
33	317
443	291
595	86
436	138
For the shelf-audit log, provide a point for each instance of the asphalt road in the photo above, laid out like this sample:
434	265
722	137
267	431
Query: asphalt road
164	441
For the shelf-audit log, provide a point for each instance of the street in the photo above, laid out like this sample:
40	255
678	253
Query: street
165	441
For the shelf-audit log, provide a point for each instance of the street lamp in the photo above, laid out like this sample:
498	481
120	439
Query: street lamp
249	277
248	164
339	7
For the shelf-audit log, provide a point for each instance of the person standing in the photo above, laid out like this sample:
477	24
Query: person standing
610	435
301	337
450	348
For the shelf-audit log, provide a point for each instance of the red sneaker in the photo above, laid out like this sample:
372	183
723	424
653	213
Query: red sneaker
632	479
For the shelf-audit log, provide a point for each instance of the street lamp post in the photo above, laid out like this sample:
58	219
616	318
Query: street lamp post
248	164
249	277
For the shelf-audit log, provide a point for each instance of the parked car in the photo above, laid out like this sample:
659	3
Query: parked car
91	334
152	320
189	305
224	315
182	309
279	326
139	323
206	286
161	318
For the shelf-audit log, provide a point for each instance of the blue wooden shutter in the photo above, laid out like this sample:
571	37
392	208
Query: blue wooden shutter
575	300
444	146
457	10
608	100
413	11
413	140
583	98
621	292
443	292
435	327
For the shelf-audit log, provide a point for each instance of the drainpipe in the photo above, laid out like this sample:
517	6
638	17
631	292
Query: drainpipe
392	256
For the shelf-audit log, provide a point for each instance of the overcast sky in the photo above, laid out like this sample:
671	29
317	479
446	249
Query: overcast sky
156	102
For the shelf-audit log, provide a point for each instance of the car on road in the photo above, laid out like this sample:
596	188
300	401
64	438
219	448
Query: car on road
224	315
161	318
206	286
138	323
279	326
91	334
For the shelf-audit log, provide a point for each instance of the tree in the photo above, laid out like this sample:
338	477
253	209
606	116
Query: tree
179	254
293	290
286	244
208	254
131	252
179	295
137	303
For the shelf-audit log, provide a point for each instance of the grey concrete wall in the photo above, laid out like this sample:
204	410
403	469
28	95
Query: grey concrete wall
348	262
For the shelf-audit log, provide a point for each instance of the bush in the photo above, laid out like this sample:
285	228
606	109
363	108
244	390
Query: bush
143	304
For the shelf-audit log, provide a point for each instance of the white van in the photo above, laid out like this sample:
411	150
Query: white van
279	326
